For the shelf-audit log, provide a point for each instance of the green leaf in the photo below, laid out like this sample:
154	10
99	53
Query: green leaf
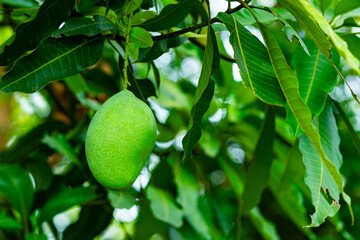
348	18
156	74
41	171
28	35
141	37
65	200
286	193
294	168
163	207
289	31
16	186
233	176
92	221
136	4
76	83
346	6
152	53
197	112
338	42
60	144
140	17
188	196
169	17
259	171
8	222
26	144
289	85
326	5
353	42
324	191
245	18
84	26
354	136
84	5
171	96
266	228
199	11
309	23
78	86
101	11
21	3
316	77
68	56
203	94
28	13
254	63
142	88
121	199
34	236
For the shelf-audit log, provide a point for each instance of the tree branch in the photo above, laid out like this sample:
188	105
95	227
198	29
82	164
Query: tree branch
192	28
185	30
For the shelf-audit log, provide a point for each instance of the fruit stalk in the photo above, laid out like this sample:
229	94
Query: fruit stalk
129	13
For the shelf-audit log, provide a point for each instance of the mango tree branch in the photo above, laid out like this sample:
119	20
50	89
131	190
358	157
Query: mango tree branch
185	30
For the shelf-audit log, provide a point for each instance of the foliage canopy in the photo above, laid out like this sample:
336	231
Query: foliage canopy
269	153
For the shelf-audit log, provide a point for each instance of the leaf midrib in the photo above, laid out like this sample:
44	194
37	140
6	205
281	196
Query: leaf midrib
242	53
141	40
319	192
311	85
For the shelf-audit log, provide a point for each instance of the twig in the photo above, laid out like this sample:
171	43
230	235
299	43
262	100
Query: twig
185	30
130	15
192	28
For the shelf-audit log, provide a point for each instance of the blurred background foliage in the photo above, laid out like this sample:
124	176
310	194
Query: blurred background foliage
54	196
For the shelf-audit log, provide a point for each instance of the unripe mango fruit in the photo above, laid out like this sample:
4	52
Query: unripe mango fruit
119	140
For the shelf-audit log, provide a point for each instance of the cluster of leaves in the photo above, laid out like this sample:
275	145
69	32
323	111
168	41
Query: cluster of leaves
233	159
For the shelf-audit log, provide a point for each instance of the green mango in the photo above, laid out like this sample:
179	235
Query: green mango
119	140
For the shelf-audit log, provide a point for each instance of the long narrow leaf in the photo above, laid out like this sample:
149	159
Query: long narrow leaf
266	228
171	15
163	206
287	193
65	200
259	171
197	112
84	26
289	31
188	197
354	136
309	24
318	178
254	63
316	77
203	94
307	14
28	35
68	56
339	43
289	84
17	188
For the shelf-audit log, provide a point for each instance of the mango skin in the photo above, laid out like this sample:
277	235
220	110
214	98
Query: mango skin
119	140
